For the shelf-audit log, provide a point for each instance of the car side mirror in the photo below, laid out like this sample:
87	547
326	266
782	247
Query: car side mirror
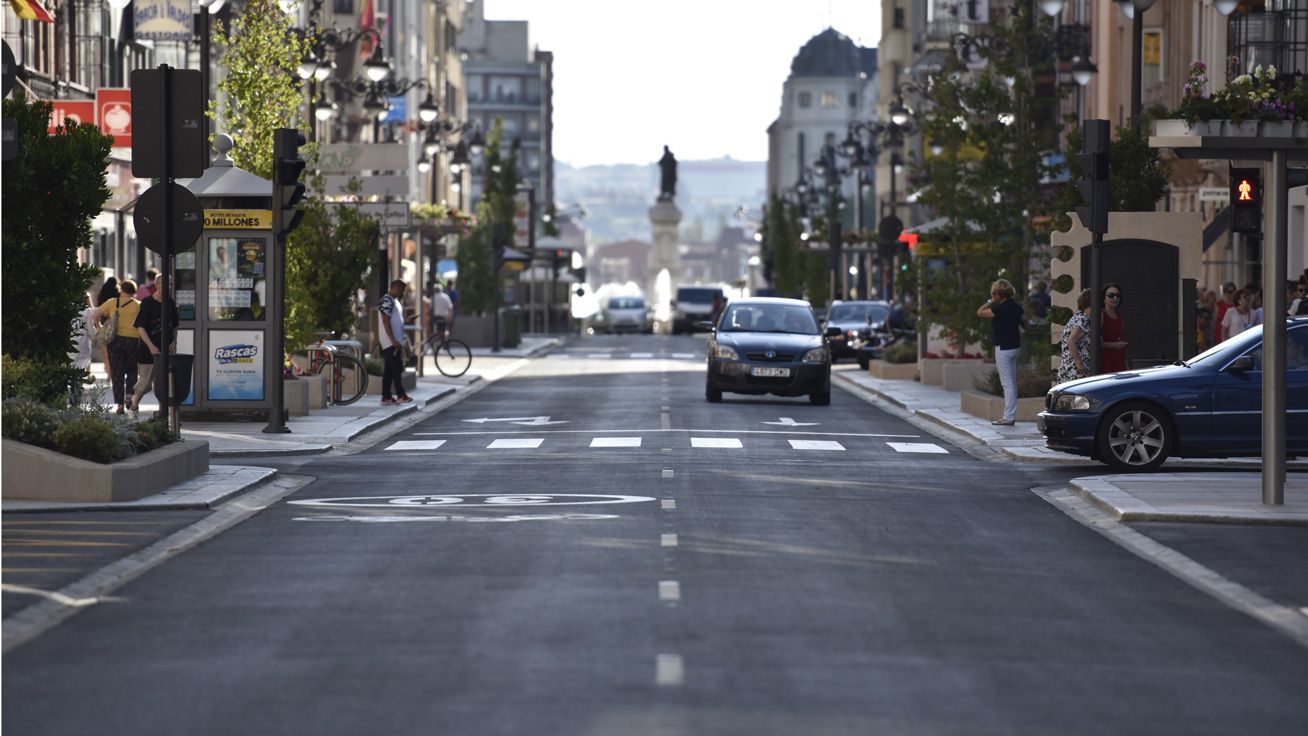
1242	364
832	332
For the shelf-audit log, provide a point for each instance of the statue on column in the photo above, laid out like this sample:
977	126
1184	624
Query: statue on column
668	176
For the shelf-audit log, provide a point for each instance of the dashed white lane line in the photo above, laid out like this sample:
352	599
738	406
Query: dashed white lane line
516	443
642	355
667	474
416	445
669	505
716	442
669	670
816	445
668	540
684	355
918	447
599	356
665	421
615	442
669	590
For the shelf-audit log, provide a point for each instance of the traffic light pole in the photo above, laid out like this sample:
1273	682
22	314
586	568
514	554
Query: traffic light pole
287	191
1275	253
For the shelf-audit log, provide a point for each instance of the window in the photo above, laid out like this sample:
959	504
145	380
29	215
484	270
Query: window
343	7
831	99
805	99
899	18
1152	69
533	123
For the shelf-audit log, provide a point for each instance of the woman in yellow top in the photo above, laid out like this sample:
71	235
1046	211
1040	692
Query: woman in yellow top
122	348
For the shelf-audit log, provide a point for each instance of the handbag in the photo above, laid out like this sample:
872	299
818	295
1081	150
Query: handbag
105	333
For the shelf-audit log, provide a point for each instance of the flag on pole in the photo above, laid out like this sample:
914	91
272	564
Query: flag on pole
33	10
367	20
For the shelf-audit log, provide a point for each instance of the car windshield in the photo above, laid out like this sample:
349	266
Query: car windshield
858	313
787	318
1228	350
696	296
626	302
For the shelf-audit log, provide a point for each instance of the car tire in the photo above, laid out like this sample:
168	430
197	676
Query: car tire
711	392
1135	437
820	399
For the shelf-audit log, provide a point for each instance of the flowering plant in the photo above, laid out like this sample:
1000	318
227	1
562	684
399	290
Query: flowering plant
1257	96
290	369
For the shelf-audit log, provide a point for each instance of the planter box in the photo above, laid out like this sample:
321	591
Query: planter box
31	472
991	408
295	396
933	369
1248	128
1174	128
1281	129
892	371
409	382
317	390
961	375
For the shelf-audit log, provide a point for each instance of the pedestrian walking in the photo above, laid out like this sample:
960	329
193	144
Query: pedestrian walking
1112	332
149	328
1297	293
1040	300
1203	323
442	311
108	291
146	290
390	313
1006	334
1208	300
1225	303
1074	353
1240	317
121	311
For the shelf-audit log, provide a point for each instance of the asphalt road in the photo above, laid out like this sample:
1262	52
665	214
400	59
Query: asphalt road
588	547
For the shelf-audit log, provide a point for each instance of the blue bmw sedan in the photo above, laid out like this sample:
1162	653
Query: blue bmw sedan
769	346
1209	406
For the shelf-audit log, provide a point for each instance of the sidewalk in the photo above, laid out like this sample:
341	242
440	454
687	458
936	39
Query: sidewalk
1192	496
317	433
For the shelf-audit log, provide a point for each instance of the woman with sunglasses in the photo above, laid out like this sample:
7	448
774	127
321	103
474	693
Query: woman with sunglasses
1112	333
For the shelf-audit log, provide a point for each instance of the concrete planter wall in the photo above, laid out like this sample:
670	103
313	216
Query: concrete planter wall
933	369
892	371
31	472
317	390
409	381
295	395
990	407
961	375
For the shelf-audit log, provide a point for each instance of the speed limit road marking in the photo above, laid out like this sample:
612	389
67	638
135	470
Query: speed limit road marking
485	500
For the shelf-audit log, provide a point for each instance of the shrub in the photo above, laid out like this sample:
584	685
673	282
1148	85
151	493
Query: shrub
1032	382
902	352
43	381
374	366
30	421
150	434
90	437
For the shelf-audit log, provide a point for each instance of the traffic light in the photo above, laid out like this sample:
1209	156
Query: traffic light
1093	184
1246	200
287	188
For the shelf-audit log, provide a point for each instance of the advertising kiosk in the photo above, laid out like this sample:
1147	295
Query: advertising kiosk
228	306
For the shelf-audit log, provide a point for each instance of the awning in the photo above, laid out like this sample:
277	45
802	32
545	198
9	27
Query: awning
31	10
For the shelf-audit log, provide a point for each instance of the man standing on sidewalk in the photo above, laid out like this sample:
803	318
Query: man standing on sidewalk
390	313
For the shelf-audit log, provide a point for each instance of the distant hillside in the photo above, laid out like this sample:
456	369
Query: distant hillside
618	197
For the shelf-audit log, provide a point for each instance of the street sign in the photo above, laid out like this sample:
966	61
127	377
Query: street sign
522	219
163	20
238	219
81	112
380	186
113	111
1214	194
390	215
353	158
187	215
187	145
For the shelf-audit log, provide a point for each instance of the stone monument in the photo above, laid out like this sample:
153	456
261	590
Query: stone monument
665	221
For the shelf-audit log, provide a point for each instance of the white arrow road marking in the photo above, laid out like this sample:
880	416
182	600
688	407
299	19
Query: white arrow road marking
788	422
528	421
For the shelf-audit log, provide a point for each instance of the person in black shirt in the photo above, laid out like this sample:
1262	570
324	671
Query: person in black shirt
1005	333
149	325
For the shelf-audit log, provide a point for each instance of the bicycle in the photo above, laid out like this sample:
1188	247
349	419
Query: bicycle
322	356
453	357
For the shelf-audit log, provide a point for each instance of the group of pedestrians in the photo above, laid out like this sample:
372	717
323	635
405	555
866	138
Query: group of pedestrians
1218	318
126	322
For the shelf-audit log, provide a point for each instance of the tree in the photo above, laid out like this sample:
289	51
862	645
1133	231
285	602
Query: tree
985	184
51	192
495	210
261	91
781	248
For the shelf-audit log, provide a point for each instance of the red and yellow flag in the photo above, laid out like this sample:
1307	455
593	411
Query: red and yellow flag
31	10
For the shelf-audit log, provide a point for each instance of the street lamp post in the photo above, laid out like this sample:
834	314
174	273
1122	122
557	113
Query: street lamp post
1135	10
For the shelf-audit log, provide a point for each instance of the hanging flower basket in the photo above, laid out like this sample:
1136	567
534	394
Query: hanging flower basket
1250	105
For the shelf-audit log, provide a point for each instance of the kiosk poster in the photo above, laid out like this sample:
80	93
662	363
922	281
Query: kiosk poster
236	365
237	271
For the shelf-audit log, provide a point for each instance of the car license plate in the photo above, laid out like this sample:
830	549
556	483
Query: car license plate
766	372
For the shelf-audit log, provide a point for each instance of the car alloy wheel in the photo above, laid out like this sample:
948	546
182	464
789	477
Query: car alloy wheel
1134	437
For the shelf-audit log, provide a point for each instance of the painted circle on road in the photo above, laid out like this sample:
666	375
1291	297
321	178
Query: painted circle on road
473	499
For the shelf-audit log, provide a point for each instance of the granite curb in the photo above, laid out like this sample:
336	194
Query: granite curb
1133	499
204	491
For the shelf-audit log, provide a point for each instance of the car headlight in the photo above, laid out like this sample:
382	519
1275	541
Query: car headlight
722	352
816	355
1072	402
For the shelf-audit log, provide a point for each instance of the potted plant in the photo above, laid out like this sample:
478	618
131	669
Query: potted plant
1249	105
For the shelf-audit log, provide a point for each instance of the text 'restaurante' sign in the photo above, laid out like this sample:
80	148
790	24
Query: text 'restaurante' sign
238	219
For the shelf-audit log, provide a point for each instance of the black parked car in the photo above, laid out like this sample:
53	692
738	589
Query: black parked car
769	346
858	322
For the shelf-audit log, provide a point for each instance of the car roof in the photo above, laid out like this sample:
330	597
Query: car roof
770	300
882	302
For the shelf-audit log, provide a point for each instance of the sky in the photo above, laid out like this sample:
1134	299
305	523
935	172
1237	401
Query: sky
702	76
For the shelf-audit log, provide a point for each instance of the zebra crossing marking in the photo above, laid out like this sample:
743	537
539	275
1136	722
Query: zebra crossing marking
722	443
927	447
615	442
516	443
416	445
816	445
